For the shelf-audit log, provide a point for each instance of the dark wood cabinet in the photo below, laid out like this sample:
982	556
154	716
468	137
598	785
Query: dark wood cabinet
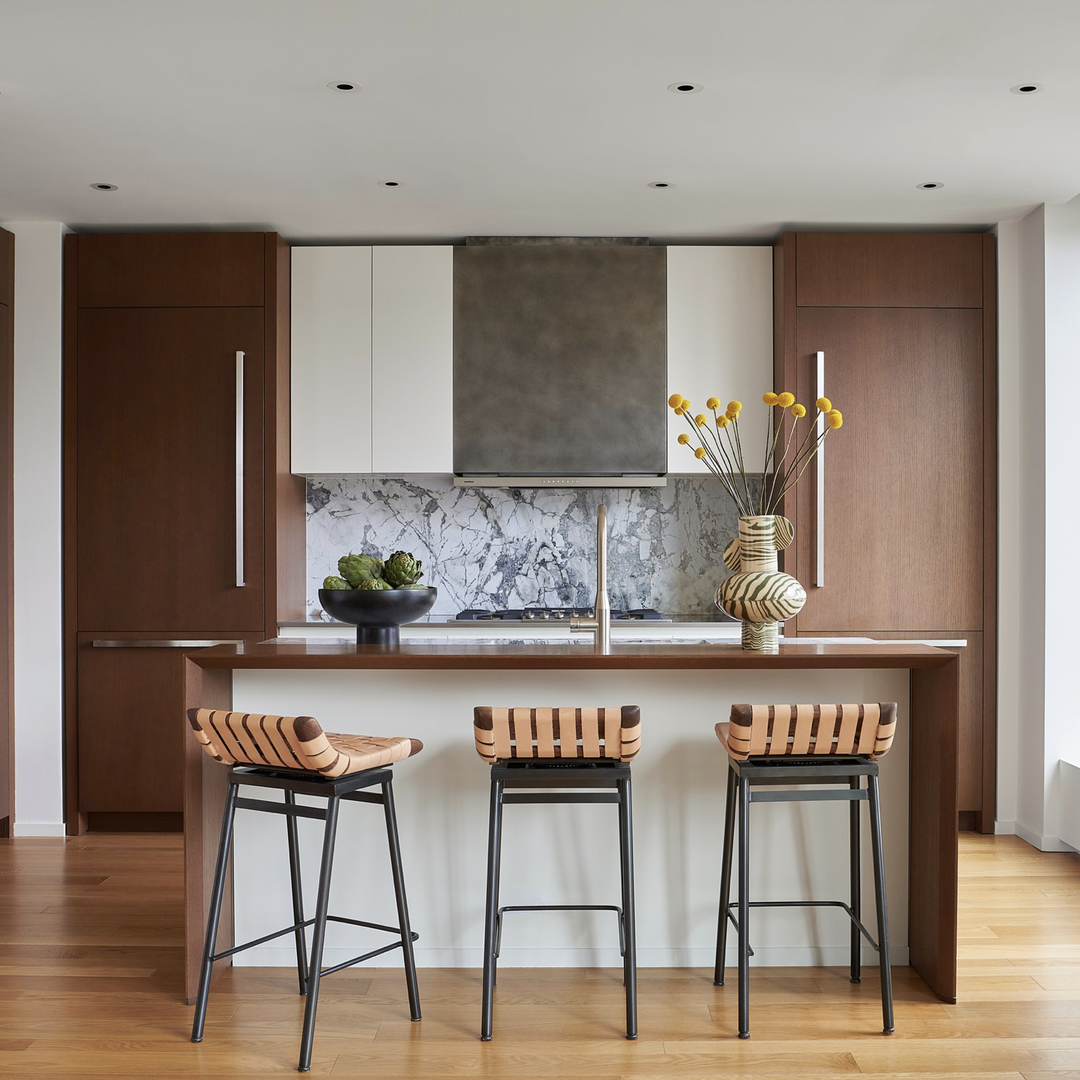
906	326
156	477
903	507
182	521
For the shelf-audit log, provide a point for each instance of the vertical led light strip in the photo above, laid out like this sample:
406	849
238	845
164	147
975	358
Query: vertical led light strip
240	469
819	575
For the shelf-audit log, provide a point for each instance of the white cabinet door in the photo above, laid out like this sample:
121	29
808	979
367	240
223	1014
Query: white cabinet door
331	360
412	348
720	320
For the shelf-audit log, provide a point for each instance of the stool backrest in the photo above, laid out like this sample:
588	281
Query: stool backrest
767	730
540	734
265	740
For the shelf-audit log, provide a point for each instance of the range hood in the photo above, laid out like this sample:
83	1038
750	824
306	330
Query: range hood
560	362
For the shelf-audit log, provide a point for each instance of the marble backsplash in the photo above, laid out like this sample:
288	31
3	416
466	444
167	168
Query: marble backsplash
509	548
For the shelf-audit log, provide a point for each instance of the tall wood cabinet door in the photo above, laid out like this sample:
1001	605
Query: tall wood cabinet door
903	510
158	487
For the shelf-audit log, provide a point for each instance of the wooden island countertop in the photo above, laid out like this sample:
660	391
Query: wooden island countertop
934	701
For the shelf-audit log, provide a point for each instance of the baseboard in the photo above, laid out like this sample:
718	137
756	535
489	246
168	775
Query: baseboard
1039	842
39	828
825	956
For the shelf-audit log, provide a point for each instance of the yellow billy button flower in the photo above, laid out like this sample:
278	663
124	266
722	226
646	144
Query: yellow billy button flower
701	419
769	399
684	439
798	410
722	421
675	400
712	403
699	453
823	404
836	418
734	408
785	399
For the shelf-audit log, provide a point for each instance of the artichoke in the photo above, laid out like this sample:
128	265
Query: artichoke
404	587
402	569
357	568
372	584
335	583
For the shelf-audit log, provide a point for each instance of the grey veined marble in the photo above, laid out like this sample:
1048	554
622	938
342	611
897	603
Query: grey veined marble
508	548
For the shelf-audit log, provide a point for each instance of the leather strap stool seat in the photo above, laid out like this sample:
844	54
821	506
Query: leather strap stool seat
293	754
561	755
819	746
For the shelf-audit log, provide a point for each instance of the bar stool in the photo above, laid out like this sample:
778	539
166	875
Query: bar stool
816	745
293	754
587	750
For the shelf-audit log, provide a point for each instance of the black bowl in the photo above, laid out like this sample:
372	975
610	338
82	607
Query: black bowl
377	613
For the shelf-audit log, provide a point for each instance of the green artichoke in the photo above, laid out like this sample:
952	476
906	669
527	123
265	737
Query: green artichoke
402	587
373	584
357	568
402	569
335	583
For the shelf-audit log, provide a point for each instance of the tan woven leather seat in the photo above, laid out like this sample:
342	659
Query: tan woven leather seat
590	734
796	730
268	741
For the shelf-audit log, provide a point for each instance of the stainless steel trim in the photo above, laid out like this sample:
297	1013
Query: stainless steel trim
240	469
819	571
163	643
560	481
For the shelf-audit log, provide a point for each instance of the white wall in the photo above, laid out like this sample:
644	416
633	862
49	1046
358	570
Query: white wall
1039	328
38	558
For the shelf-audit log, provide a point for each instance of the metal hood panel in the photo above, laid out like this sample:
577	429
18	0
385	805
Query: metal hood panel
560	363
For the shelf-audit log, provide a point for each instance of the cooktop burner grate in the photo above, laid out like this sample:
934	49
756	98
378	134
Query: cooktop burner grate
556	614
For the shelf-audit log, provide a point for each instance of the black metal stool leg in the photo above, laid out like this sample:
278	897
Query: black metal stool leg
725	879
217	894
318	939
882	908
856	884
399	893
297	894
744	907
494	855
626	836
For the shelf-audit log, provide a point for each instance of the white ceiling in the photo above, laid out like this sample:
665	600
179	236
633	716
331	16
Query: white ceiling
535	117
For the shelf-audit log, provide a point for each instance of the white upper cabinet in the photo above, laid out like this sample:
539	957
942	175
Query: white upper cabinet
331	360
372	329
720	341
412	348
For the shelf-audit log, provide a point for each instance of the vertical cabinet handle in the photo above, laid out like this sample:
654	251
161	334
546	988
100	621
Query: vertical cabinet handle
819	569
240	469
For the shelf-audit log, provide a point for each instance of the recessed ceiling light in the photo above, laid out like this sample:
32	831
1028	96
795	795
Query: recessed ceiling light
1026	88
686	88
343	86
105	187
930	185
661	183
390	183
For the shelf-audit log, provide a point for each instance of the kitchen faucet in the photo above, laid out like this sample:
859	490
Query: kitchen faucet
600	624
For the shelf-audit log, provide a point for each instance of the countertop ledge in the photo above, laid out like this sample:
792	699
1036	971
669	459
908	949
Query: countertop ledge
316	655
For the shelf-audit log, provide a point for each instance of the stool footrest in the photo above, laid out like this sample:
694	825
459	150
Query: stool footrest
559	907
303	926
367	956
806	903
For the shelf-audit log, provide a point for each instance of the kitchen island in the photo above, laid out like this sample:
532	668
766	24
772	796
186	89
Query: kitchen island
427	691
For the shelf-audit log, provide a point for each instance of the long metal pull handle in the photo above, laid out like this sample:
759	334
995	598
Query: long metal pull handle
819	571
240	469
163	643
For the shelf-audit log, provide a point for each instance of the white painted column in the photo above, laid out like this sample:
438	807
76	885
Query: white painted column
39	670
1039	389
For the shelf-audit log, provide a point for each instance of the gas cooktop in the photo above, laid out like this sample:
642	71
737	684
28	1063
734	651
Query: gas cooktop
548	614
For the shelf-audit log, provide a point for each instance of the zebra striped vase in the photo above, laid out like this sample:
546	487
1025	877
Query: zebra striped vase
758	594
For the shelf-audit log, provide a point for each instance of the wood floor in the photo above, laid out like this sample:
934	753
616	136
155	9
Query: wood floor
90	969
